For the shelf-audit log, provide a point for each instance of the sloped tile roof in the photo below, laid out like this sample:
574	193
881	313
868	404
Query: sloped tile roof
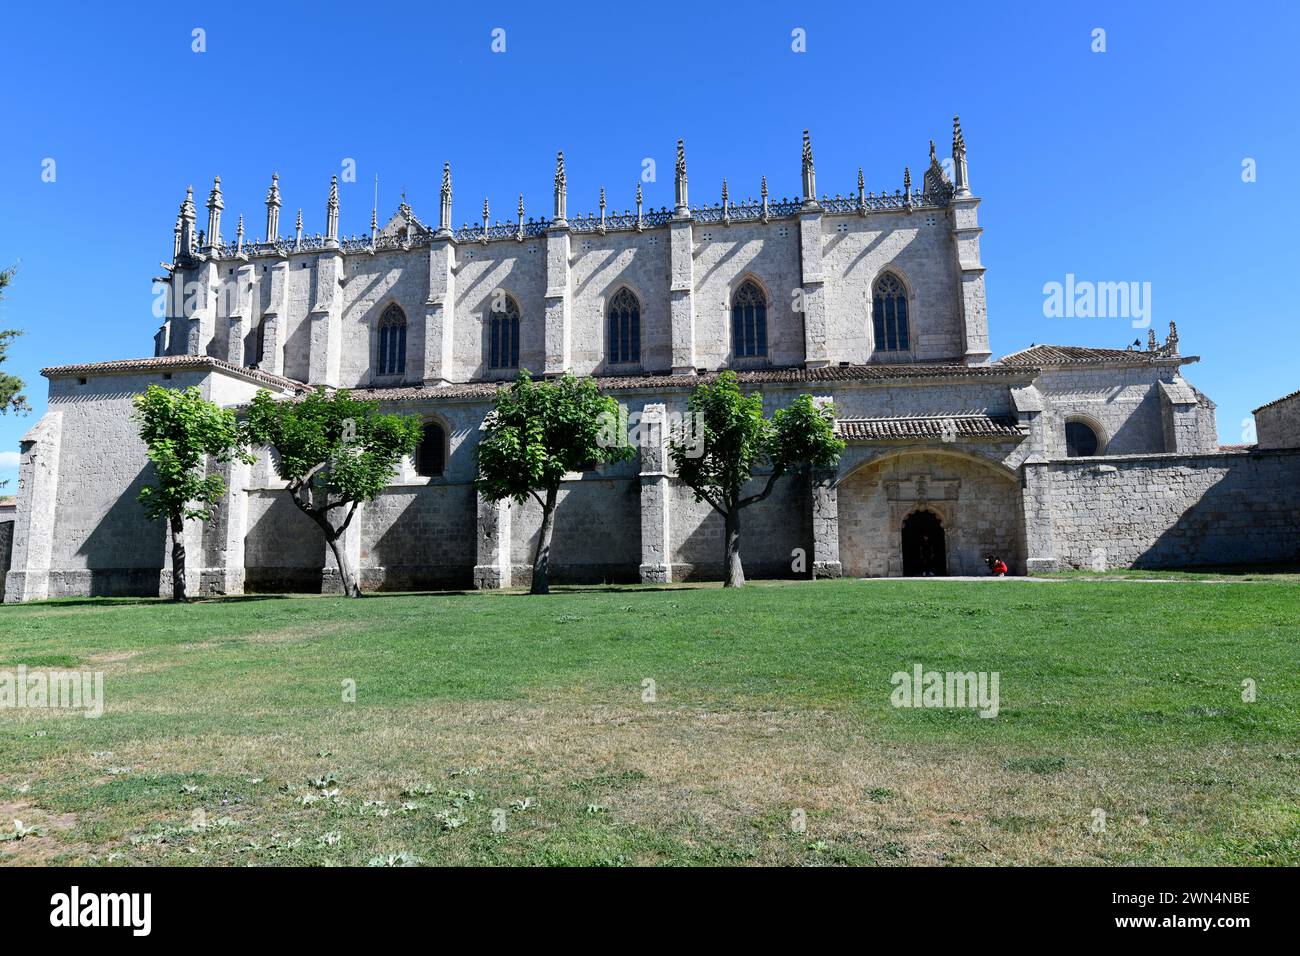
884	373
1082	355
163	362
928	426
1277	401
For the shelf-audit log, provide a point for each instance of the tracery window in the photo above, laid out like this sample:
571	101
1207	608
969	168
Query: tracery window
503	336
624	315
749	321
391	359
889	314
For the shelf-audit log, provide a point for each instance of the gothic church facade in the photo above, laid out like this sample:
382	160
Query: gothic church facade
1053	456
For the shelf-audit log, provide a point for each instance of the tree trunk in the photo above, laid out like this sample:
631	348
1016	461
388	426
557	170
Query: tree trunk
348	582
178	559
735	571
542	559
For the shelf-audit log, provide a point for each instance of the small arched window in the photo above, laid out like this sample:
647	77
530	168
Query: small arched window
431	457
889	314
749	321
624	327
503	334
1080	440
392	342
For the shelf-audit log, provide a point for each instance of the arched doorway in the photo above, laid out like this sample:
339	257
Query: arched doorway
924	550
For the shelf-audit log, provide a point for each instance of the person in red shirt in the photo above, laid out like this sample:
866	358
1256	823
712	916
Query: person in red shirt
997	566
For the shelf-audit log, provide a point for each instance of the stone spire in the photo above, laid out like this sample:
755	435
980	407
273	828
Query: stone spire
961	179
602	210
762	192
907	187
483	238
1171	343
726	202
1151	340
444	215
683	203
188	221
176	237
561	192
297	231
519	231
809	173
862	196
639	225
215	205
239	235
273	209
332	212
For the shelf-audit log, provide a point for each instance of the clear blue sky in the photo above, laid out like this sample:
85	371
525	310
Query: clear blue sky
1116	166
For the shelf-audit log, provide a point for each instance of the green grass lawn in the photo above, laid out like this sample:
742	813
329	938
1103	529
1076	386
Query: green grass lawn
502	728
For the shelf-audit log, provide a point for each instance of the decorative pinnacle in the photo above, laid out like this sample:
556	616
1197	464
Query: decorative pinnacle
187	206
907	180
958	141
273	194
807	151
334	192
724	190
933	158
485	209
561	180
446	180
239	229
681	158
602	198
638	192
214	197
521	205
861	181
1151	340
374	218
762	189
298	225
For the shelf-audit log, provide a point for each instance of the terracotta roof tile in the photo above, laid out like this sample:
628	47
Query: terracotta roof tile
1082	355
928	426
777	376
1277	401
160	362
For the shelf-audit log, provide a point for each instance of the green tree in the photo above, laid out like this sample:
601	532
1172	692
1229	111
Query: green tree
334	452
183	433
732	438
538	432
11	386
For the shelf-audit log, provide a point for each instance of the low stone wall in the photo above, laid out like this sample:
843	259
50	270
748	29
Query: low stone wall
1168	511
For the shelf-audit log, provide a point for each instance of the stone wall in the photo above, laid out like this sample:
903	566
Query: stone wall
7	515
1277	425
1170	511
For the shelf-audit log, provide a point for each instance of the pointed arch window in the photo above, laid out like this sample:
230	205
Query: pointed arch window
392	342
624	315
503	335
749	321
431	457
889	314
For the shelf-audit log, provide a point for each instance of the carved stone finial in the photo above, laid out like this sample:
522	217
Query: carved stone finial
561	192
1171	343
724	190
444	207
602	198
521	206
961	175
215	205
907	180
1151	340
683	209
273	209
809	174
332	212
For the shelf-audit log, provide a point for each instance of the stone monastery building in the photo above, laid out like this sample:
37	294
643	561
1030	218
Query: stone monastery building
1052	456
